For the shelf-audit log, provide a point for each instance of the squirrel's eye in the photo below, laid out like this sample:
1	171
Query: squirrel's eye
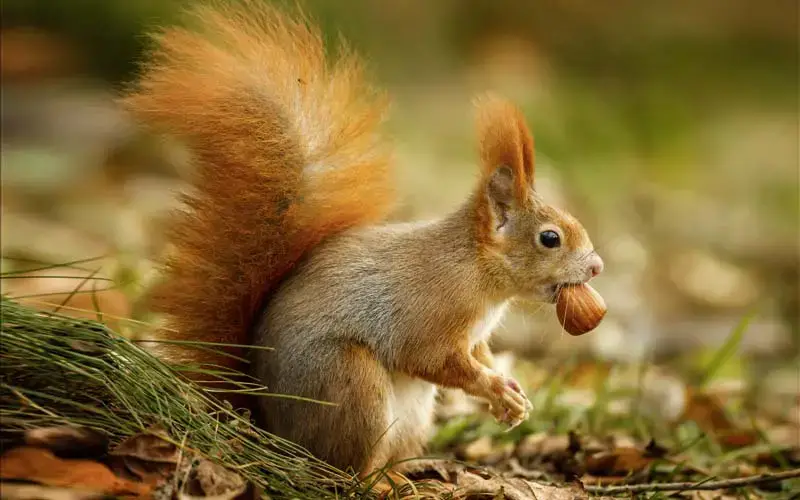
549	239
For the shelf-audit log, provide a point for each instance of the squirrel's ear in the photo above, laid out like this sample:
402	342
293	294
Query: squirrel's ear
505	141
500	189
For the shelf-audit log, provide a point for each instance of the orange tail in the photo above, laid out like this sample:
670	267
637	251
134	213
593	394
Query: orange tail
287	153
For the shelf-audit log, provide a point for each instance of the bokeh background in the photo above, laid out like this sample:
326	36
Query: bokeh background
670	128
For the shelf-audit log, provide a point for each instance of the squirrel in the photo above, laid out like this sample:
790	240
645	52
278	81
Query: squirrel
284	240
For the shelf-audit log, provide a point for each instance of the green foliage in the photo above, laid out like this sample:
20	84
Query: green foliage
727	350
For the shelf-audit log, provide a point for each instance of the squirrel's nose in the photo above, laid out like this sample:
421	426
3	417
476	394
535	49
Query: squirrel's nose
595	265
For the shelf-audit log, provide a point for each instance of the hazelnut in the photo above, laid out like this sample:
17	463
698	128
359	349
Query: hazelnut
579	308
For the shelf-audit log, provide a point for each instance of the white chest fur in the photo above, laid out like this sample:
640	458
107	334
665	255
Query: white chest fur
409	418
490	320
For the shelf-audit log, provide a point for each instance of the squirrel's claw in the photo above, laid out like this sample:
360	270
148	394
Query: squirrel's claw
511	406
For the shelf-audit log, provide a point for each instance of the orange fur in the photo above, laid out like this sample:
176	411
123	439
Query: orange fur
505	140
287	151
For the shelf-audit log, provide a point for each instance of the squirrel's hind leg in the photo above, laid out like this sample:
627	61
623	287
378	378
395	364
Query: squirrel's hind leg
350	434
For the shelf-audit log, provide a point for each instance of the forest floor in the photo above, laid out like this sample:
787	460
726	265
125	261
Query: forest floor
88	414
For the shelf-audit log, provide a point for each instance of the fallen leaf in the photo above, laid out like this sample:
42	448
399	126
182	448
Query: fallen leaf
214	481
135	469
558	452
445	470
471	485
12	491
708	413
42	466
68	441
515	469
217	481
152	445
737	438
617	462
146	457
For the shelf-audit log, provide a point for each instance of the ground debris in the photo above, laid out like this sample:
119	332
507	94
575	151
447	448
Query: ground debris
473	486
68	441
20	491
146	465
41	466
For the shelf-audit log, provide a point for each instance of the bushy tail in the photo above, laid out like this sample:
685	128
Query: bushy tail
287	151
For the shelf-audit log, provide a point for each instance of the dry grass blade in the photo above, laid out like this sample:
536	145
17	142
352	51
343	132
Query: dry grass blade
57	370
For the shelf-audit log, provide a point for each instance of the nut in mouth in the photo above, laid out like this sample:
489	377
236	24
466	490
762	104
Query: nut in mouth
556	289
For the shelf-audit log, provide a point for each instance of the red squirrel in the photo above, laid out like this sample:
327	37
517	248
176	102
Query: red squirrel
283	240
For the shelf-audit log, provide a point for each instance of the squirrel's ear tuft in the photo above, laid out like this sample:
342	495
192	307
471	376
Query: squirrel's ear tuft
505	140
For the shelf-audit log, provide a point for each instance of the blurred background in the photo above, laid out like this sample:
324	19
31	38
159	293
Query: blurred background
669	128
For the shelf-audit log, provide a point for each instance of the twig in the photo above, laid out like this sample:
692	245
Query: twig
704	485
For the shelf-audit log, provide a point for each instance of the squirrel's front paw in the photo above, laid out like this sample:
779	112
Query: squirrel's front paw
509	404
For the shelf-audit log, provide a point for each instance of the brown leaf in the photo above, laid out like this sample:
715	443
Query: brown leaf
708	413
558	452
41	466
473	486
618	462
146	457
515	469
444	470
68	441
151	445
738	438
136	469
209	480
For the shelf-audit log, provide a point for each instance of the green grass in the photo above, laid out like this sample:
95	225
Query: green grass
57	370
